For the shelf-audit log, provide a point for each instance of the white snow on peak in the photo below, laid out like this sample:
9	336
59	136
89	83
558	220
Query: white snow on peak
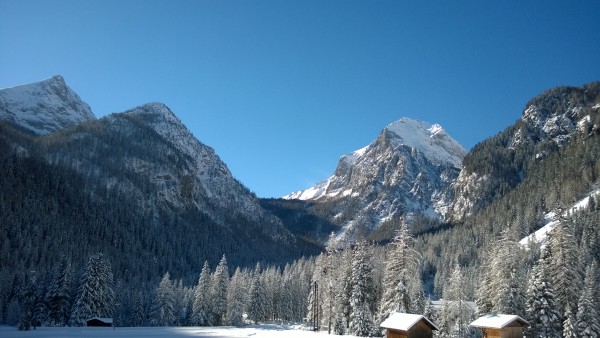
431	140
43	107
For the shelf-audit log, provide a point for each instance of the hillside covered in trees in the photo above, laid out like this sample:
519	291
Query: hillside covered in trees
121	217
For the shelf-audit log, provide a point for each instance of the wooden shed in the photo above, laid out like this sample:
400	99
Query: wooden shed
501	326
406	325
97	321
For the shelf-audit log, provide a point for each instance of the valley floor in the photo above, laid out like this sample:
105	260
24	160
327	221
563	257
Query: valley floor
254	331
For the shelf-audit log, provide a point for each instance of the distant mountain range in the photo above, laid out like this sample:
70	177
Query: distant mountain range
139	186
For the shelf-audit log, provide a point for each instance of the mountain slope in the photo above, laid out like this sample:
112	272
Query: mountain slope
133	182
407	169
43	107
497	165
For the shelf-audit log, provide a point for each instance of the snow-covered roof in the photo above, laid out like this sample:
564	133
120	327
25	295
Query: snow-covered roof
404	321
102	319
498	321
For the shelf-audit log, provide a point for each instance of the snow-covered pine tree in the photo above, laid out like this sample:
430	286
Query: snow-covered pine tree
329	281
542	310
569	330
138	315
361	302
96	292
201	297
483	293
566	273
401	272
236	297
315	301
345	293
218	292
501	286
258	298
587	320
456	314
288	294
163	306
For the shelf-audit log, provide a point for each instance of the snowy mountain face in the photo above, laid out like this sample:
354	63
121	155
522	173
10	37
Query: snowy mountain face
409	168
148	154
499	163
145	154
43	107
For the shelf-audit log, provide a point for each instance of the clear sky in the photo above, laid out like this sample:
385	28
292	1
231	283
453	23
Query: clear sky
281	89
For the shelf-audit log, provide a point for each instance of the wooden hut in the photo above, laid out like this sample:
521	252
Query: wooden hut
501	326
406	325
97	321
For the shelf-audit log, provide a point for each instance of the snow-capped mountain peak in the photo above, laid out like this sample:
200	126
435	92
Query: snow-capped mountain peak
430	139
43	107
408	168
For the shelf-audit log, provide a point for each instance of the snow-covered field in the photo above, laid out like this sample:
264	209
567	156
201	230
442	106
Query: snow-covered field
254	331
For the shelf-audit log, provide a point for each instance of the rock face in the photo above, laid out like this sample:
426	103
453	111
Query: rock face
407	169
43	107
496	165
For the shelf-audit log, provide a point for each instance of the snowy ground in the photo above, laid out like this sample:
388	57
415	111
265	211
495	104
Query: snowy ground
254	331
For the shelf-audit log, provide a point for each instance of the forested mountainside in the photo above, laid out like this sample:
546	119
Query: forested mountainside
120	201
545	162
549	122
136	186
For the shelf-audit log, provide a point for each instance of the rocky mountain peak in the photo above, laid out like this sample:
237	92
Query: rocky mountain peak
429	139
408	168
43	107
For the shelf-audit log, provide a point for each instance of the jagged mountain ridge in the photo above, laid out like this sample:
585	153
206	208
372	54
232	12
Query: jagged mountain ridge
43	107
407	169
498	164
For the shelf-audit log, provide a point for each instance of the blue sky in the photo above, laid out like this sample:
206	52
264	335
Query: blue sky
281	89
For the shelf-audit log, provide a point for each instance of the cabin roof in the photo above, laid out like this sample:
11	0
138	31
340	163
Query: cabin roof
102	319
498	321
404	321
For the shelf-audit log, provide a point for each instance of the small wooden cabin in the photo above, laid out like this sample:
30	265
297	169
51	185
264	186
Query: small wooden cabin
406	325
97	321
501	326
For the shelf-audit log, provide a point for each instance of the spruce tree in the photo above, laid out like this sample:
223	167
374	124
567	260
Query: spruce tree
501	286
236	297
138	316
542	310
201	297
456	314
258	298
164	312
587	321
218	292
58	295
361	301
401	272
96	294
566	273
569	329
315	300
